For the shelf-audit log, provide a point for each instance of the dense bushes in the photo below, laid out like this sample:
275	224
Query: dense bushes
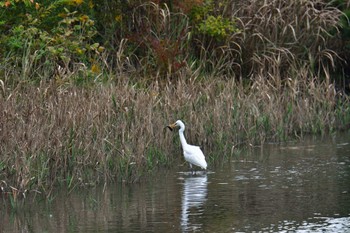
233	39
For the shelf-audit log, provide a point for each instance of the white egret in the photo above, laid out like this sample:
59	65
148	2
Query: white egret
192	154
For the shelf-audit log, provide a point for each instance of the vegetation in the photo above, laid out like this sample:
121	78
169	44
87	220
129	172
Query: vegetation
88	86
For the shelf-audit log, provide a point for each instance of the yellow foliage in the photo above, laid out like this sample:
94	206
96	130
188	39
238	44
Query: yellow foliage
78	2
95	68
91	4
118	18
79	51
84	18
62	15
101	49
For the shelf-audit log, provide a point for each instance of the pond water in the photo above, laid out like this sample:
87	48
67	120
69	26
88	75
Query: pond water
297	186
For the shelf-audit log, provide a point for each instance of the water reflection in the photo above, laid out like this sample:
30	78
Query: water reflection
194	195
297	186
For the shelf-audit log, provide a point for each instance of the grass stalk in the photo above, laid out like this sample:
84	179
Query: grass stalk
78	136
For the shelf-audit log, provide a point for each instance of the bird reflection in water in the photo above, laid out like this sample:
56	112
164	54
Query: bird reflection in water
193	197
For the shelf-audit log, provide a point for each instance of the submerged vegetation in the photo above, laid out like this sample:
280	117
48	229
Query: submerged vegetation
86	87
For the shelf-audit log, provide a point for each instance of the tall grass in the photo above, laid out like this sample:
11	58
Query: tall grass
269	80
78	136
277	38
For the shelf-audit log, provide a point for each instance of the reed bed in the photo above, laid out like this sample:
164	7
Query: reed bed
269	79
70	136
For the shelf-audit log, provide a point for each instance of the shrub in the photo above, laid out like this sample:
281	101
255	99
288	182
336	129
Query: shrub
47	39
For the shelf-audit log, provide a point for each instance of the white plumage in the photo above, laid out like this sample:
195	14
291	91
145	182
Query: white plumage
192	154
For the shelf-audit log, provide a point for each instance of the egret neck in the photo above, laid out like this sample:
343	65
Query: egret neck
182	137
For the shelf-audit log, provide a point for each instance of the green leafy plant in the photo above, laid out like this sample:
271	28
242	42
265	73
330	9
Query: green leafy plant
217	27
48	48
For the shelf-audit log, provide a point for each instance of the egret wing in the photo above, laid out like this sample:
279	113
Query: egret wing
194	155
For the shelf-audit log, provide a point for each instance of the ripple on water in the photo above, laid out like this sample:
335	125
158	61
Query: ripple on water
315	224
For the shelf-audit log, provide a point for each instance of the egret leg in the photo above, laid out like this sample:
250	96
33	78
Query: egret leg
191	169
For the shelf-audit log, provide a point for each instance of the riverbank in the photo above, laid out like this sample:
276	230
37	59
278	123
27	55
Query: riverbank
235	194
68	135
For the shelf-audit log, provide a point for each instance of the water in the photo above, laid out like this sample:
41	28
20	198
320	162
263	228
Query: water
298	187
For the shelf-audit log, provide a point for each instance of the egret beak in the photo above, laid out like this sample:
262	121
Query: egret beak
171	127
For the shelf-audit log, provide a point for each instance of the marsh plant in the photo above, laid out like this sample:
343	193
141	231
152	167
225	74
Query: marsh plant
78	136
81	103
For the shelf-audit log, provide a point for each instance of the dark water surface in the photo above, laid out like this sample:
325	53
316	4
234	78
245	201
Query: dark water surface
298	186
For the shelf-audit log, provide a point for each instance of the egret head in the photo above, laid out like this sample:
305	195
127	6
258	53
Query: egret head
178	123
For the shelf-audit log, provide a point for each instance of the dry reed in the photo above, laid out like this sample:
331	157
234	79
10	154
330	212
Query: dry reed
77	136
60	134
